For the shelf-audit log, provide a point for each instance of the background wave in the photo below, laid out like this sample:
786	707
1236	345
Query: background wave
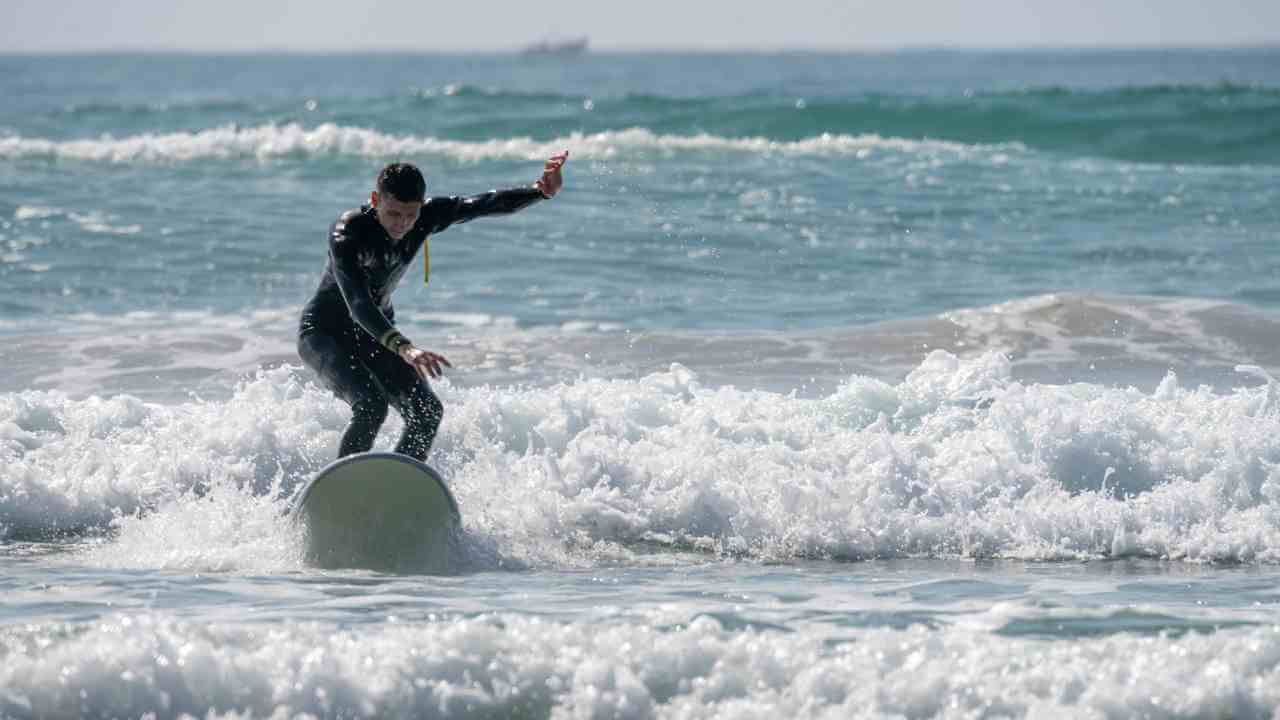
269	141
1218	125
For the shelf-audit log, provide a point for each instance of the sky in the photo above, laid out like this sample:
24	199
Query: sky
455	25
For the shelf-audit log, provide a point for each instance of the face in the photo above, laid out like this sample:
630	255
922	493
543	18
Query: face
397	217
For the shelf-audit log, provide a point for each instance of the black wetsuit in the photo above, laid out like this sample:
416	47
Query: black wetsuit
342	325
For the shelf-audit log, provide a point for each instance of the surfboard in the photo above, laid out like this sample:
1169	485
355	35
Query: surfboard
378	511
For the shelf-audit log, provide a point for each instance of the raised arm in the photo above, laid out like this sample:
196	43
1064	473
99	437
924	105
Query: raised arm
441	212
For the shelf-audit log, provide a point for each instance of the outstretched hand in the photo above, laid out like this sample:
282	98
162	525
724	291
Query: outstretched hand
428	365
551	181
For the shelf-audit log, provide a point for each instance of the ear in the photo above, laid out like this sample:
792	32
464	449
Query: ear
373	199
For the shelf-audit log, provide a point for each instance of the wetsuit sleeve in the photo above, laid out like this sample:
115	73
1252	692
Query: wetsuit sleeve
441	212
352	282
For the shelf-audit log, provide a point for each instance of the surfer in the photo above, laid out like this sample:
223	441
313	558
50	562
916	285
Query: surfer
347	333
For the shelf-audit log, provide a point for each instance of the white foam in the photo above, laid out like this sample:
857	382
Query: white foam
97	222
958	459
519	666
270	141
459	319
35	212
201	485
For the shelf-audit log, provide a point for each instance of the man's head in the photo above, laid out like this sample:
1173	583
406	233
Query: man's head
398	198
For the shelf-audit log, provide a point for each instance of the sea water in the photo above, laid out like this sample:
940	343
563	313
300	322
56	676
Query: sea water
906	384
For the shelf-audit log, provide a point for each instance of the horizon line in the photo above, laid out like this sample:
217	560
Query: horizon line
1269	44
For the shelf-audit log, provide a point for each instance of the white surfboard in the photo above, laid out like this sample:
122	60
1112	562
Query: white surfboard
379	511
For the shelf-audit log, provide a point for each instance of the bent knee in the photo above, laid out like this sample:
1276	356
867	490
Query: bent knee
425	407
369	409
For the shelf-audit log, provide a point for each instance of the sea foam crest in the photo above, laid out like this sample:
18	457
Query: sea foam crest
957	459
269	141
145	665
200	484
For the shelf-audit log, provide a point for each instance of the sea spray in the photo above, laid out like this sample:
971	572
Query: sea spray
958	459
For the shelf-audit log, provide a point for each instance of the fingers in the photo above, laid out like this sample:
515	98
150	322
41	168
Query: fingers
423	371
550	182
557	161
430	365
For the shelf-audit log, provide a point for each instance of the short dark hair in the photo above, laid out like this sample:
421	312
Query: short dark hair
403	181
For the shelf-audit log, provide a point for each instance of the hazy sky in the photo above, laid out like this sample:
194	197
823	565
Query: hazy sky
442	25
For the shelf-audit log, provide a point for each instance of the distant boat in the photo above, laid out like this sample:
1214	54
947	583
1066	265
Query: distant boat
563	48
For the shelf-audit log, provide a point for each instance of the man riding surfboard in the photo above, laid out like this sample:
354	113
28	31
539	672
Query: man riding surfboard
347	332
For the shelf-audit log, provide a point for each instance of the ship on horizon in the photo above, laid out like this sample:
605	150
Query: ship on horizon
560	47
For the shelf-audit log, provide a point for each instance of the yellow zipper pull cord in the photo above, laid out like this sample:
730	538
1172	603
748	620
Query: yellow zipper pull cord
426	260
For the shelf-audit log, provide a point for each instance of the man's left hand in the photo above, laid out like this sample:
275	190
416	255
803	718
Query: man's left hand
551	180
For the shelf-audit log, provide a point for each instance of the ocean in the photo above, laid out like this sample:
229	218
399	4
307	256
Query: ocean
903	384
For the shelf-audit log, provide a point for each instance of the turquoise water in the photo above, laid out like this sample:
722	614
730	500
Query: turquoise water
794	196
916	384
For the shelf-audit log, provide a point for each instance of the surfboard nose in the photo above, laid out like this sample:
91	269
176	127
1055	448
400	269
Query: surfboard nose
379	511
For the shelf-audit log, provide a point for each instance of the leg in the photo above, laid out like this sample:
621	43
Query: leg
413	398
422	412
338	362
367	415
